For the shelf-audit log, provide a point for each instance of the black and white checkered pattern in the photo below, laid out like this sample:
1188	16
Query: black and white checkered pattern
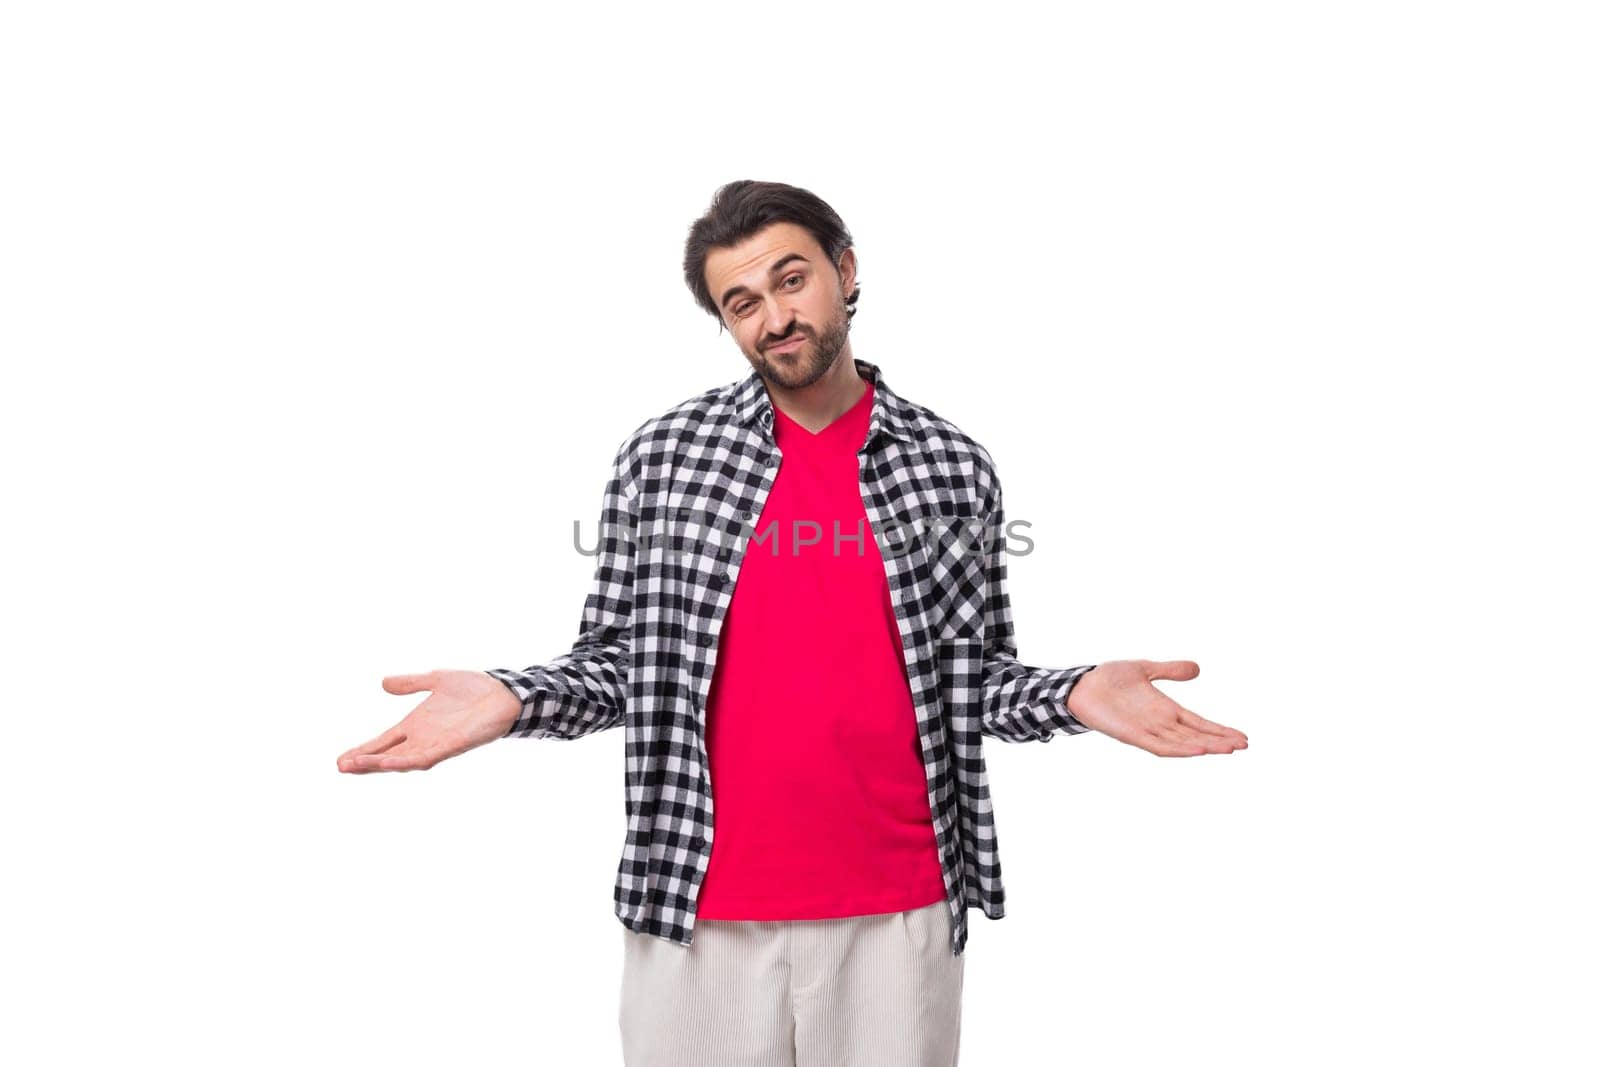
685	491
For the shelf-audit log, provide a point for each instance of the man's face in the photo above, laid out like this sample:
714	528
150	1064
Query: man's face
783	302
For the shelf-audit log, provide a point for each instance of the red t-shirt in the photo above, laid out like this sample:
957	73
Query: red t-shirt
819	795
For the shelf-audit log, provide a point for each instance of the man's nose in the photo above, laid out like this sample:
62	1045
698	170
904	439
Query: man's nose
778	322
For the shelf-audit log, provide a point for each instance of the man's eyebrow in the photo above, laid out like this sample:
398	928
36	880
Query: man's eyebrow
739	290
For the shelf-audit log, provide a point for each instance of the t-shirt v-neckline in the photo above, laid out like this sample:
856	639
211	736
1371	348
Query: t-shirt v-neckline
794	431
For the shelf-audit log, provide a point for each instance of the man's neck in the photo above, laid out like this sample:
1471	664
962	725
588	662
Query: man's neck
817	405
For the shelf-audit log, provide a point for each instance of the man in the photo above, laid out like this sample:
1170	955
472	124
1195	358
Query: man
799	614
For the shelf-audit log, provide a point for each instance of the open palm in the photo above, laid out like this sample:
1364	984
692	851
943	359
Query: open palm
1118	699
464	709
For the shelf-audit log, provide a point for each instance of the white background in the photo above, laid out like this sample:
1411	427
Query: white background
321	322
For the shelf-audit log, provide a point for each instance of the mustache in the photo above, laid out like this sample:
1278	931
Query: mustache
784	340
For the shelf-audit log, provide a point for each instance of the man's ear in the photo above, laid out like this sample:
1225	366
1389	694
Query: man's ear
847	270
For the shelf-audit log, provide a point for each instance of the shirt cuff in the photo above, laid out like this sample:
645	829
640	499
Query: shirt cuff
1052	711
523	686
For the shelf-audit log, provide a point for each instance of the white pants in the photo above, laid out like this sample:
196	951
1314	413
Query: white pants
863	991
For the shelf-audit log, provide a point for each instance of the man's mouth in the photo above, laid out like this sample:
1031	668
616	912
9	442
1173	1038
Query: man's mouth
788	345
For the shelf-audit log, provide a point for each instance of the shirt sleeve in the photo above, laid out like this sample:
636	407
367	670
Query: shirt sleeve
1020	703
585	689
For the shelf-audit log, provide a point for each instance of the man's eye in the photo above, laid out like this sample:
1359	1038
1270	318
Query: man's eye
791	278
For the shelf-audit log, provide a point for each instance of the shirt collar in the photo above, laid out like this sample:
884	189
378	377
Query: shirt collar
890	414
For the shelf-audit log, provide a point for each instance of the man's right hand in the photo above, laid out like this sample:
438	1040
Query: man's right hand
465	709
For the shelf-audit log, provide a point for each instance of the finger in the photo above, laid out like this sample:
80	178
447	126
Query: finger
1203	724
410	761
360	757
1163	745
388	760
400	684
1183	735
358	766
361	764
1172	670
388	739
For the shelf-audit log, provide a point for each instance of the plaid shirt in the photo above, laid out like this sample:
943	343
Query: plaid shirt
686	491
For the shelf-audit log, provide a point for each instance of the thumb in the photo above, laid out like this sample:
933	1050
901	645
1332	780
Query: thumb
1173	670
400	684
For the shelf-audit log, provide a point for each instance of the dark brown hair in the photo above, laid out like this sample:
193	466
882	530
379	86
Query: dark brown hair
741	209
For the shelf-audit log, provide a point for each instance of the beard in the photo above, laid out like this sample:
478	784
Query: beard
813	359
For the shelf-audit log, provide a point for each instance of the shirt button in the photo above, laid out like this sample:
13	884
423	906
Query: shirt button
703	640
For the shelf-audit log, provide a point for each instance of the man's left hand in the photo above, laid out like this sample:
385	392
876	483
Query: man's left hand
1117	698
